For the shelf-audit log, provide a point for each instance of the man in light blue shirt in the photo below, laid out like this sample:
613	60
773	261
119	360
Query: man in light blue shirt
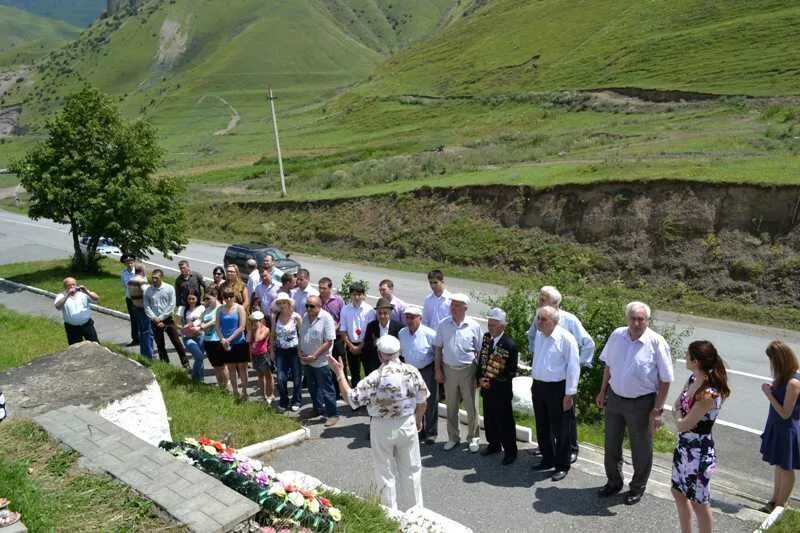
417	348
458	344
550	296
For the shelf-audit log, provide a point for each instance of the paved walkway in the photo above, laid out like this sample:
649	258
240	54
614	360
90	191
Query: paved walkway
474	490
190	496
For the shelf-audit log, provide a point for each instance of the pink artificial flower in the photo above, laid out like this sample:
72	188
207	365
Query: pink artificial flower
262	479
227	457
245	469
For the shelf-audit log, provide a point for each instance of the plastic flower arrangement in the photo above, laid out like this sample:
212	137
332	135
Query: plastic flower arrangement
257	482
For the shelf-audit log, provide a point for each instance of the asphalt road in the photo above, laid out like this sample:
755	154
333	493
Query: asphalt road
742	345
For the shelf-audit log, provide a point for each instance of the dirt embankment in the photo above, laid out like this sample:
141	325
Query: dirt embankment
724	240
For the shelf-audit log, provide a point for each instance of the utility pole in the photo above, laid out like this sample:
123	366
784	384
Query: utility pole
277	141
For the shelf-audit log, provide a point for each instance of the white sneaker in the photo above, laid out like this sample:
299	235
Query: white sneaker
295	408
450	445
475	445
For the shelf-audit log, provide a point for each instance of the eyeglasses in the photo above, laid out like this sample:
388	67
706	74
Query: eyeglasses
311	306
219	273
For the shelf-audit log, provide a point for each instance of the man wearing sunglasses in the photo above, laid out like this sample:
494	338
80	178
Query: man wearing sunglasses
317	333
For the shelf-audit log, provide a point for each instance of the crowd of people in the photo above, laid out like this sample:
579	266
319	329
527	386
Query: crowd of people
287	330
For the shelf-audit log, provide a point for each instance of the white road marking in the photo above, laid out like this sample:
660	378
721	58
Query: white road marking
40	226
738	373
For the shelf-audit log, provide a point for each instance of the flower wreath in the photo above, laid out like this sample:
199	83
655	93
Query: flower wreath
257	482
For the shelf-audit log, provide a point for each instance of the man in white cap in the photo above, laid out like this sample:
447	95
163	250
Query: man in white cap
555	375
395	396
416	346
497	366
458	342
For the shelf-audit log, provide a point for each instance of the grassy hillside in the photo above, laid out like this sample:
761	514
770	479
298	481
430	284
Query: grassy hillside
389	25
77	12
25	37
731	47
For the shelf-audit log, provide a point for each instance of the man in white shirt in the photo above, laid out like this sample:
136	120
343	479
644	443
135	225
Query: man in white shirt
437	304
74	302
417	348
266	291
352	326
555	372
458	343
386	288
253	278
549	295
636	381
303	291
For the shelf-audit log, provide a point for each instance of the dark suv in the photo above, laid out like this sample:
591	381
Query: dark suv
238	254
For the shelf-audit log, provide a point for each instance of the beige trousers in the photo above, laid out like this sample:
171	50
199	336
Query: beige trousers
459	384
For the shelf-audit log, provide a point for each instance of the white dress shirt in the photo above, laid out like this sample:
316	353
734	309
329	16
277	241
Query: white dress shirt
460	343
253	280
639	366
76	310
435	309
399	311
556	359
417	348
354	320
301	296
266	295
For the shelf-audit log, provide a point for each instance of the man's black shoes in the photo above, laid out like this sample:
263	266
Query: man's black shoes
608	490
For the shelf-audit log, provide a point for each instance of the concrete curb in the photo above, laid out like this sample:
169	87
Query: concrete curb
770	520
524	433
42	292
289	439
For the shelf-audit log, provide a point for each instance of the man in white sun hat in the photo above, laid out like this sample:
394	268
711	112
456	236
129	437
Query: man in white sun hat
458	343
395	396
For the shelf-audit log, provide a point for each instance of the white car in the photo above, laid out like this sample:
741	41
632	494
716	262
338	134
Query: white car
104	246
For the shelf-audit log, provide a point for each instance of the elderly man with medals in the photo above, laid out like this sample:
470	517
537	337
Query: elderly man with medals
497	366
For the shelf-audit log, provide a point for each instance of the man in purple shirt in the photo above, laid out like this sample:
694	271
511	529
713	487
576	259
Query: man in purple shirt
333	304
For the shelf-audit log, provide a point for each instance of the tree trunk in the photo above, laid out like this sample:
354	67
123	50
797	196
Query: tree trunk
78	259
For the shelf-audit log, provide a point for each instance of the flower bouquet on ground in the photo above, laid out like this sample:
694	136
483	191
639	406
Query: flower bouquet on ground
284	506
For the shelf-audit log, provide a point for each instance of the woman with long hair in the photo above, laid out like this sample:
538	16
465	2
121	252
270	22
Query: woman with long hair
284	347
234	281
780	442
211	342
231	325
190	318
694	459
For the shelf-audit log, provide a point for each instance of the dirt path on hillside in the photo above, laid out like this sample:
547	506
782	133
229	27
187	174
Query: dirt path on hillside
235	116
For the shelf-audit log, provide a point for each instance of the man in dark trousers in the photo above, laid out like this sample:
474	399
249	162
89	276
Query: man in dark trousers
382	325
497	366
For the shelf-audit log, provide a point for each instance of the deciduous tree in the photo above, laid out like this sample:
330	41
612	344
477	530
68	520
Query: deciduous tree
95	172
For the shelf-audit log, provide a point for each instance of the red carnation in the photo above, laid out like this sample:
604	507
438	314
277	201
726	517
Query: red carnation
324	501
358	332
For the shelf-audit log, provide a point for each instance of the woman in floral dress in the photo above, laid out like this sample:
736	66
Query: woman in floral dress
694	459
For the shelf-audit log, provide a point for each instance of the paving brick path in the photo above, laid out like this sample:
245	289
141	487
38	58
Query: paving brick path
191	497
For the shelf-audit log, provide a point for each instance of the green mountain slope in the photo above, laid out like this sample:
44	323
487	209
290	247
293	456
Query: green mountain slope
389	25
24	37
736	46
78	12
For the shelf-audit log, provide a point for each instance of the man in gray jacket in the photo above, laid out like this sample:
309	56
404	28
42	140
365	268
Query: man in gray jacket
159	305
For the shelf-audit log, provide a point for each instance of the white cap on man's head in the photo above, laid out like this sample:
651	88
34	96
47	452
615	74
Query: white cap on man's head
496	314
283	297
460	297
413	310
388	345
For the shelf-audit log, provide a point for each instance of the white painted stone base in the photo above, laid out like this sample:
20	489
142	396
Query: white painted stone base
422	520
144	414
